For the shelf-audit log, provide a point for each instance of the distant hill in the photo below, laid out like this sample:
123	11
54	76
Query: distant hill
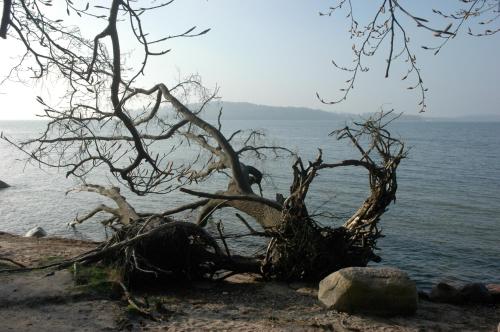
469	118
248	111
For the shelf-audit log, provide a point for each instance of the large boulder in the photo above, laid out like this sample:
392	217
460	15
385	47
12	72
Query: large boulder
381	291
3	185
36	232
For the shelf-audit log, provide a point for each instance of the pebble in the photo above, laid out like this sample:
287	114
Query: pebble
36	232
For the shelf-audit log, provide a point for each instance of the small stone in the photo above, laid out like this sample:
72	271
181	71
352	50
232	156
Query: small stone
307	291
3	185
36	232
244	311
382	291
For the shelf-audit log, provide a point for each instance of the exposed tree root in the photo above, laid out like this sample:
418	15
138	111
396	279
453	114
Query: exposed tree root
11	261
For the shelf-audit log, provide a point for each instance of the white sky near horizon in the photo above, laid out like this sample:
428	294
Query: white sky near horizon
279	53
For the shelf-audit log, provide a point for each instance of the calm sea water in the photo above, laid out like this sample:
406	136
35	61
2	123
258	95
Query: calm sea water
444	226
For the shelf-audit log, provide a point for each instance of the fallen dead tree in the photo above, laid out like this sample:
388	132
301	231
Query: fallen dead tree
157	246
108	121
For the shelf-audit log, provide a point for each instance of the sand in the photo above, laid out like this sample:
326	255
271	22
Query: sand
37	302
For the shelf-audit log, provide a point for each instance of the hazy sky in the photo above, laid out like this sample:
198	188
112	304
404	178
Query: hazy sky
278	53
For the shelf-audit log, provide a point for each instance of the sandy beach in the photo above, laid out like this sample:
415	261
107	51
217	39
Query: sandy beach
39	302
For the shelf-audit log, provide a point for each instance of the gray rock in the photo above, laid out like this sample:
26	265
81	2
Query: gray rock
445	293
3	185
36	232
474	293
381	291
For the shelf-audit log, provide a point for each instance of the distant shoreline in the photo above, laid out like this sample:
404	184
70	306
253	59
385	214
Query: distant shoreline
250	111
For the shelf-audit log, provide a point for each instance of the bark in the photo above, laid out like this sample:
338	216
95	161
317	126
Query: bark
4	23
268	217
125	213
268	213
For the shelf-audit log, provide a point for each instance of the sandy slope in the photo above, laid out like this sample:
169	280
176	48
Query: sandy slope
36	302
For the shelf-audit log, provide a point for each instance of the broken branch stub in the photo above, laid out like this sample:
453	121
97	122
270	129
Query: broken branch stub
124	213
